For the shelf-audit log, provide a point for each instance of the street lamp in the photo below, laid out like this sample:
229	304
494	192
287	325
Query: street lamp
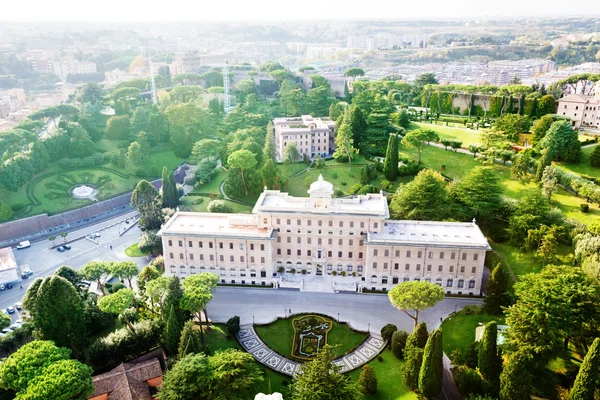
253	320
369	327
455	308
338	317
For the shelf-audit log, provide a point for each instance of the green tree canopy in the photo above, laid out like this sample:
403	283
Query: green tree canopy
117	303
124	270
480	191
430	375
418	138
588	378
62	380
415	296
497	295
424	198
243	160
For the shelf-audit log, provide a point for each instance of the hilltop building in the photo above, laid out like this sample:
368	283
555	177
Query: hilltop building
322	235
582	110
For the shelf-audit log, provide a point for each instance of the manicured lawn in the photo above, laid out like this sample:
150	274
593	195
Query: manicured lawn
521	263
279	336
200	204
134	251
212	186
466	136
459	330
389	379
583	166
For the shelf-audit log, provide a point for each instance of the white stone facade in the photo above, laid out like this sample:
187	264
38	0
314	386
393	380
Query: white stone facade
319	235
313	136
583	111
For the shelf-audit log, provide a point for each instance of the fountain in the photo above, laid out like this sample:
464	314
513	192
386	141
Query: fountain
84	192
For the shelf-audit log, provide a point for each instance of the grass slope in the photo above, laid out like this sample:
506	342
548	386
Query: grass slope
466	136
459	330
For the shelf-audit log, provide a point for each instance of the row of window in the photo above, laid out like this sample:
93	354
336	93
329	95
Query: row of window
429	267
460	283
340	242
221	271
441	255
320	223
308	265
211	257
220	244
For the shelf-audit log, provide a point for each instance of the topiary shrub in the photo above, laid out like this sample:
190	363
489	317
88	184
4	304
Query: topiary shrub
367	380
303	272
280	270
468	381
343	273
398	343
387	331
387	185
233	326
584	207
334	273
293	270
219	206
17	207
116	287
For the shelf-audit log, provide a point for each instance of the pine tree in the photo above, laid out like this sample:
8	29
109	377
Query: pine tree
421	334
516	378
430	375
545	160
413	358
347	95
497	292
489	362
189	341
269	151
358	125
174	315
390	166
173	188
588	378
172	334
368	380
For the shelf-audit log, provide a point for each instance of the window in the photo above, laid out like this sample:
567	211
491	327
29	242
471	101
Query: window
462	269
191	256
397	253
232	272
360	255
349	268
350	254
241	246
298	222
319	241
405	279
464	256
241	258
181	256
200	244
289	239
170	255
441	255
396	265
222	271
180	243
212	258
320	223
419	254
408	254
431	254
461	283
473	270
299	240
341	242
385	265
429	268
362	224
375	252
289	222
330	223
278	252
394	280
201	257
471	284
451	268
386	253
170	242
190	243
262	260
309	222
418	267
375	225
330	241
440	268
449	283
475	257
251	246
407	267
350	242
374	265
329	253
373	278
351	224
220	245
384	280
289	252
360	268
263	274
299	252
278	221
360	242
278	239
452	256
251	259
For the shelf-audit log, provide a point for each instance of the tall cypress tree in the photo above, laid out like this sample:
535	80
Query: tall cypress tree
189	341
269	151
390	166
421	334
166	188
516	378
175	316
545	160
172	333
588	378
497	291
173	188
430	375
489	361
413	358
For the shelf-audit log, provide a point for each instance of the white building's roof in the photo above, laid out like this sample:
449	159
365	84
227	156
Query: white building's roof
215	225
425	233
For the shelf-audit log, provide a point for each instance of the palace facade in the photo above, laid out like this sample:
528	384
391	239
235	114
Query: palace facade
319	235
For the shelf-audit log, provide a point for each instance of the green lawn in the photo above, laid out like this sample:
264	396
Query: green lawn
466	136
389	379
583	166
521	263
280	334
200	204
134	251
459	330
212	186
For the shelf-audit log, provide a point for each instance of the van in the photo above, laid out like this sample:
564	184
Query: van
24	245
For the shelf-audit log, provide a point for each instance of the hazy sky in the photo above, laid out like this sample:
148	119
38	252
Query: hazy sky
173	10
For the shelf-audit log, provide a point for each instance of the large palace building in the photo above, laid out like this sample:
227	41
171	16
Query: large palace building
321	234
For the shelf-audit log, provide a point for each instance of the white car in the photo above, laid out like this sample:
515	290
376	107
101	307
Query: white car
18	305
24	245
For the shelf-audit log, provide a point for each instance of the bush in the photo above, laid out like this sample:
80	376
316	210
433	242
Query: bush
472	309
367	380
355	188
116	287
387	185
584	207
368	189
334	273
595	157
387	331
198	201
293	270
123	345
398	342
343	273
17	207
303	272
334	175
140	173
338	193
233	326
280	270
344	183
468	381
219	206
72	163
150	242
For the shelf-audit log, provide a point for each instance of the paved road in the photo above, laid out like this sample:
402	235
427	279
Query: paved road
361	311
43	261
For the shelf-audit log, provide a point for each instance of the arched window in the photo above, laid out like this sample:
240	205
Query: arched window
374	279
449	283
384	280
461	283
471	284
222	271
232	272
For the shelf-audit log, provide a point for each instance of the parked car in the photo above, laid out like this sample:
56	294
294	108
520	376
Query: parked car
67	247
27	273
18	305
10	310
6	330
9	286
24	245
14	326
60	249
2	287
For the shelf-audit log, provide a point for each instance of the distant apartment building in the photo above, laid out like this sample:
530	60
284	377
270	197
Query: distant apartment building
39	61
12	100
313	136
502	72
336	83
195	61
320	50
71	66
583	111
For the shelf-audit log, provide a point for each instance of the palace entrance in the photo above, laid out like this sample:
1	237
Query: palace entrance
319	269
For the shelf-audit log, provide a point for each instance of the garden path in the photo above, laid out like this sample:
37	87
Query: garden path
368	350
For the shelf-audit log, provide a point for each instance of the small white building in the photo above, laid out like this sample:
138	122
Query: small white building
313	136
584	111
